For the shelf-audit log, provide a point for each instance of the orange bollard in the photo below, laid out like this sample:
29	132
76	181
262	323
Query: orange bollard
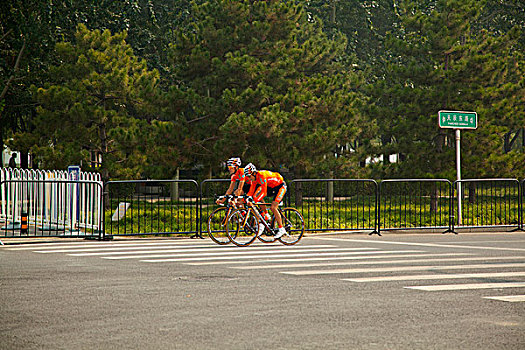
23	225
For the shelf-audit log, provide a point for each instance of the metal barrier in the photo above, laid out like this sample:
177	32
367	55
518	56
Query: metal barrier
521	203
151	207
39	204
335	204
415	204
489	203
44	208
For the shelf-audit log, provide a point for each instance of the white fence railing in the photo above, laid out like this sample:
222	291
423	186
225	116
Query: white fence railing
53	200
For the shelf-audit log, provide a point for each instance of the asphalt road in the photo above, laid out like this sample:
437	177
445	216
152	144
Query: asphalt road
344	291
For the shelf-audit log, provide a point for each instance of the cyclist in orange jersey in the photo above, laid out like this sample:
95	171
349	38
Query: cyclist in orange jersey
267	183
236	175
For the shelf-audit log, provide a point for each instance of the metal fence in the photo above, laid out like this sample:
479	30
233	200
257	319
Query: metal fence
51	207
335	204
40	208
415	204
488	203
151	207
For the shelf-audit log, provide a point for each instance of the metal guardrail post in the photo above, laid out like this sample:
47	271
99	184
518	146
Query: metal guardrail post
450	210
522	191
198	212
378	211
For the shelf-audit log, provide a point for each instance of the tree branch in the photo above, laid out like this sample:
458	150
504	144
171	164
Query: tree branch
15	69
6	34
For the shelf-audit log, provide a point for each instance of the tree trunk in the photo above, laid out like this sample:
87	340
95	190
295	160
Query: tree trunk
472	192
433	199
330	189
24	160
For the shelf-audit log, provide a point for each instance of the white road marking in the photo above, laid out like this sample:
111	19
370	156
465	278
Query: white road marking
43	246
335	263
490	242
219	251
509	298
298	255
447	287
212	247
401	268
436	276
418	244
338	258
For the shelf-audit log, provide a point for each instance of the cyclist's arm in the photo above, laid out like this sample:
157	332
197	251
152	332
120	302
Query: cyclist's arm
252	189
239	189
230	189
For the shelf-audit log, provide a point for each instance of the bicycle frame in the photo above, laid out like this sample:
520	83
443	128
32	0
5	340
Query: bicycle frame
243	220
254	207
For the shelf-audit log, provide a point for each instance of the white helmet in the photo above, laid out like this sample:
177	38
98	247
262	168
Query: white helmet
233	162
249	170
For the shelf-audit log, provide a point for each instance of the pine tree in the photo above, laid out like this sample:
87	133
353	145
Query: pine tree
96	103
265	83
439	59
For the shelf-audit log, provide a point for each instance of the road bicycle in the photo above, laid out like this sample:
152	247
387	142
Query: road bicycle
242	225
218	218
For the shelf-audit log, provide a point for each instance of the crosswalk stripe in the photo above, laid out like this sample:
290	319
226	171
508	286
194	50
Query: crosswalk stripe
220	250
435	277
447	287
419	244
335	258
72	245
337	263
211	247
213	252
241	257
509	298
401	268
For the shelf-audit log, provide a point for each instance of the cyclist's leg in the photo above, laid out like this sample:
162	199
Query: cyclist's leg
279	191
262	208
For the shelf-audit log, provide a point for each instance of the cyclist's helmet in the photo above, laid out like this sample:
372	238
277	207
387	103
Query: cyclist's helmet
249	170
233	162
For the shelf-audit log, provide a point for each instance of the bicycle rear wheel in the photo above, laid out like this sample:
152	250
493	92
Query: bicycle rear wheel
294	224
217	226
242	227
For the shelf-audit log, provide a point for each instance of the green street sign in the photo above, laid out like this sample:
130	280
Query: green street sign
458	120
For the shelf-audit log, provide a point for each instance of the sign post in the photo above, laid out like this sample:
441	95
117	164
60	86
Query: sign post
458	120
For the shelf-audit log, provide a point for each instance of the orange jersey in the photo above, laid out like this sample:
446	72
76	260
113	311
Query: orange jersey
265	179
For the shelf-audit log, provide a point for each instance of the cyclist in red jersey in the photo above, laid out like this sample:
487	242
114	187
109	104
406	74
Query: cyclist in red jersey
236	174
267	183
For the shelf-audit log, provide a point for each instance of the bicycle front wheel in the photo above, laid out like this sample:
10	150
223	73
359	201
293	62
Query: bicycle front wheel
294	224
217	225
242	227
